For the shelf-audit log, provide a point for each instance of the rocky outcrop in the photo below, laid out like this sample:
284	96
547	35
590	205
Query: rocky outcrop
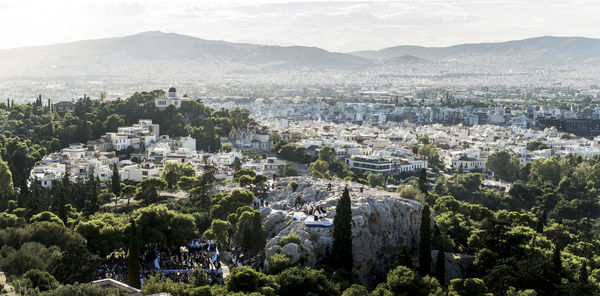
456	264
5	290
381	223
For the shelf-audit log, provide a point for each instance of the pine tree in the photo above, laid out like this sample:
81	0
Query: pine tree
133	260
425	242
342	233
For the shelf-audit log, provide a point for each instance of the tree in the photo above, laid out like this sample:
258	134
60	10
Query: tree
342	232
467	287
376	180
41	280
425	242
116	182
6	182
128	191
148	189
320	169
288	170
278	263
250	232
133	258
219	230
245	180
429	151
440	264
297	281
423	181
173	171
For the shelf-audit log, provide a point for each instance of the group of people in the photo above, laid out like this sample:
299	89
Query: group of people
240	258
174	263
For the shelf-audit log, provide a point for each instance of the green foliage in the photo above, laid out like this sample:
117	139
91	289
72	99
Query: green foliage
297	281
425	242
148	190
342	233
403	281
158	284
104	232
133	257
173	171
278	263
467	287
376	180
536	145
42	280
288	170
115	182
224	204
503	165
243	172
292	152
545	170
356	290
219	230
82	289
320	169
433	157
294	185
160	225
31	255
246	279
290	238
47	216
250	232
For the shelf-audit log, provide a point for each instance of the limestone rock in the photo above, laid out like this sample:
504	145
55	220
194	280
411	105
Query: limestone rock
5	290
456	264
292	251
381	223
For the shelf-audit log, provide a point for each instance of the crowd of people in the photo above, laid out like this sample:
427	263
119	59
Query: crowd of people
174	263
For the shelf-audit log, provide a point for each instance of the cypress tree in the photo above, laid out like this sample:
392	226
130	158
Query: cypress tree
557	262
583	275
425	242
342	233
116	182
440	265
133	260
423	181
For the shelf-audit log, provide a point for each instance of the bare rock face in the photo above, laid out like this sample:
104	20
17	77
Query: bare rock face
456	264
6	290
381	223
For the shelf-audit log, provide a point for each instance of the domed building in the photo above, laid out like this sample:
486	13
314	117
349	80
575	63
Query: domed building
171	100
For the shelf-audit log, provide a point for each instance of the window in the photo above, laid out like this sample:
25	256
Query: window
162	103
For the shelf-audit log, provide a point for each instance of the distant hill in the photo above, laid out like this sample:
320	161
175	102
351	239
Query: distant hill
168	56
155	52
544	51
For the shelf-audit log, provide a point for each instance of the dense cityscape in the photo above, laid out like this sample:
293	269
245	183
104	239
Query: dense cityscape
166	164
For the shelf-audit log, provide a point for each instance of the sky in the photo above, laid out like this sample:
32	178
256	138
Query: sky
342	26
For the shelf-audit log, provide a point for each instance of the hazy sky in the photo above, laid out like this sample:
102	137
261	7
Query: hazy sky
333	25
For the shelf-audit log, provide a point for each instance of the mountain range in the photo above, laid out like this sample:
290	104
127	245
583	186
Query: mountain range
152	54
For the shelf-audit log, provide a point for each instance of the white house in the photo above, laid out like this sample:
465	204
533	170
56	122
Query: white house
171	100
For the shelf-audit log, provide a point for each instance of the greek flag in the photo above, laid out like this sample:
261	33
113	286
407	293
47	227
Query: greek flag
156	265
